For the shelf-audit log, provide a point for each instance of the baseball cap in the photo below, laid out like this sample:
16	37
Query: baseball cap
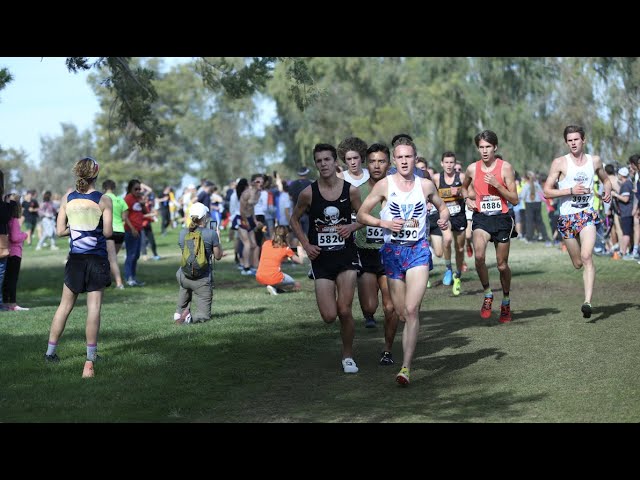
302	171
198	210
624	171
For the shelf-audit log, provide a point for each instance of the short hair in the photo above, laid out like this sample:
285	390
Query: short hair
406	140
398	137
487	136
352	144
108	184
378	147
633	159
609	169
448	153
322	147
573	129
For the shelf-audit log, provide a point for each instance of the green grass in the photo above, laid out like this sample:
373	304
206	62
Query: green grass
271	359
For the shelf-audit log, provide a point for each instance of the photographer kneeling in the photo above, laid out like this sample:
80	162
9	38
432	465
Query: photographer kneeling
195	275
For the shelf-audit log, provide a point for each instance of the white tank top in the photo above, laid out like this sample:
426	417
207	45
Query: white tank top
355	182
410	206
570	204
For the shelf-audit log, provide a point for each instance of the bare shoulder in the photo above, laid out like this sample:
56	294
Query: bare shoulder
428	186
597	161
470	170
559	164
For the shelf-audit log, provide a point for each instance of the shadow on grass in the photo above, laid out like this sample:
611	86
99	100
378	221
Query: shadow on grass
607	311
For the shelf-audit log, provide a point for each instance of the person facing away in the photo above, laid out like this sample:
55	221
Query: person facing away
16	240
120	217
329	244
274	252
405	253
196	293
492	181
86	217
577	222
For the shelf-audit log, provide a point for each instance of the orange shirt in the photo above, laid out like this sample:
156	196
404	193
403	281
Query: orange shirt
269	272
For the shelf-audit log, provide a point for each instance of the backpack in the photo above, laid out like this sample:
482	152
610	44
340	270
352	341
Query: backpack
194	261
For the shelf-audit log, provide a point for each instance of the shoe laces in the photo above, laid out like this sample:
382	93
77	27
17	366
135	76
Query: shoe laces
486	305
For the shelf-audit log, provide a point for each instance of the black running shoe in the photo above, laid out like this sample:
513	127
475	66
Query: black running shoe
386	358
369	322
586	310
52	358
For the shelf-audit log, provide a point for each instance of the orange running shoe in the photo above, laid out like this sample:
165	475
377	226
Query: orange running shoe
505	313
469	250
88	371
485	311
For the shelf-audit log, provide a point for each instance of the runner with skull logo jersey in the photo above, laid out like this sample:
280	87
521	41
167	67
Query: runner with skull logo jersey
330	246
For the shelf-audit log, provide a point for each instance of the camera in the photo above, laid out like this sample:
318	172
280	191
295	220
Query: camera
213	225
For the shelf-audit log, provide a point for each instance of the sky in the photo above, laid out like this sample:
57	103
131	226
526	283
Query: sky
42	95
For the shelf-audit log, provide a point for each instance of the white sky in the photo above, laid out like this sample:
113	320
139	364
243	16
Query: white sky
42	95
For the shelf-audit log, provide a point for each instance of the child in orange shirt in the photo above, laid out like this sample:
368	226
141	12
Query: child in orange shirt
274	252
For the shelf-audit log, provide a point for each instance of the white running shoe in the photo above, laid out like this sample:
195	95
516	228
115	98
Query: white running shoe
272	290
349	365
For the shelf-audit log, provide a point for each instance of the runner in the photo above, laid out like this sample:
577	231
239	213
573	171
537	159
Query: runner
405	253
372	276
329	244
448	183
578	220
494	185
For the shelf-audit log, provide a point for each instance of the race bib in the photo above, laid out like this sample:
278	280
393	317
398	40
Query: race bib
454	207
405	235
375	235
330	240
580	201
491	205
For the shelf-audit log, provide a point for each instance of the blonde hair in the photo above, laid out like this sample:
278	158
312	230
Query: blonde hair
280	236
86	171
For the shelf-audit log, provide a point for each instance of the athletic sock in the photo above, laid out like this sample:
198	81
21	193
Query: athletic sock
51	348
488	292
92	350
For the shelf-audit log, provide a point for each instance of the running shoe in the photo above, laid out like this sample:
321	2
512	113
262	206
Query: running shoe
457	285
349	365
465	267
88	371
469	250
386	358
403	377
51	358
272	290
586	310
485	311
429	282
448	278
18	308
505	313
369	322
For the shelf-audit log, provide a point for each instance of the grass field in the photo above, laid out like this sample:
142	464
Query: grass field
263	358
